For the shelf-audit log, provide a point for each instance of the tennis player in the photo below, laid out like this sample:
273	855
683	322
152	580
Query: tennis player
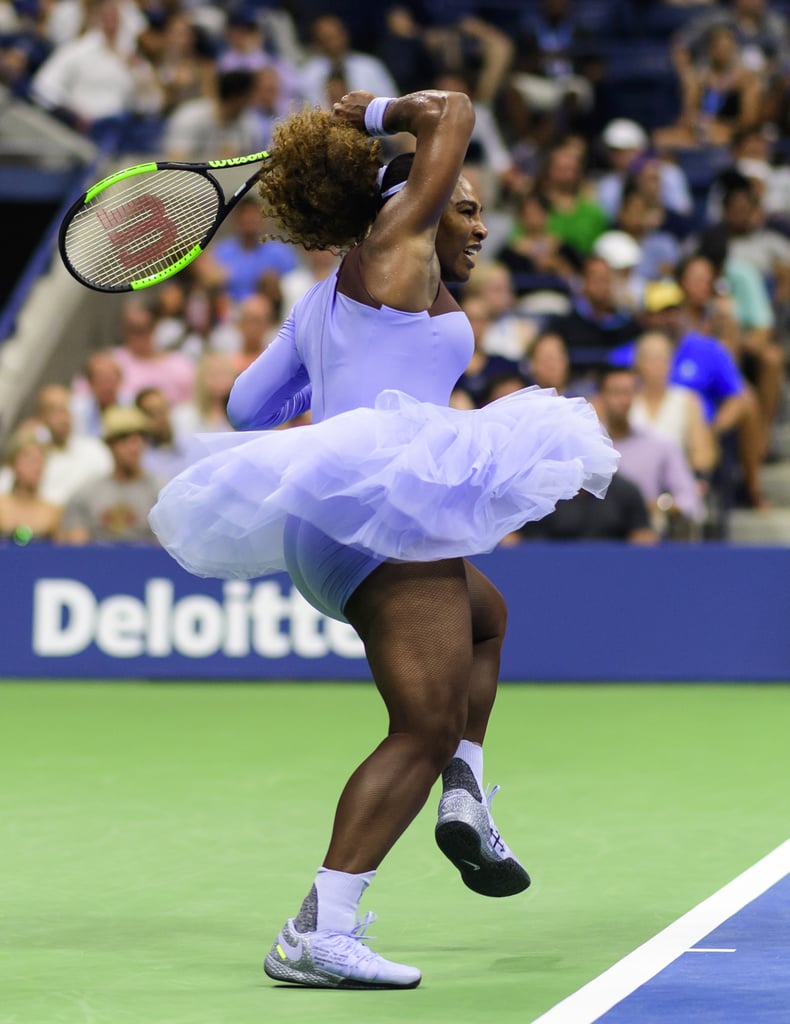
373	507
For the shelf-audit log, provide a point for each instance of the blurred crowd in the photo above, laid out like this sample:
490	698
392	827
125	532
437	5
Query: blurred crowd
632	159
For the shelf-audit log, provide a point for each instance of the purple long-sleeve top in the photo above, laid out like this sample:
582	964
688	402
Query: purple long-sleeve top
339	349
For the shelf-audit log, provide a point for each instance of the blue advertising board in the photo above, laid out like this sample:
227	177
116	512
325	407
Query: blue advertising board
577	612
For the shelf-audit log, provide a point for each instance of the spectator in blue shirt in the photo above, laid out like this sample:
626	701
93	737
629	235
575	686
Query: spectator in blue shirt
240	261
703	364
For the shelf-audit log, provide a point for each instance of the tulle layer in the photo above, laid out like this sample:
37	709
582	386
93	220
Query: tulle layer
405	480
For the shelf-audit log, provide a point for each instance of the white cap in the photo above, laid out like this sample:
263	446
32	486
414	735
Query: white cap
751	168
618	249
624	134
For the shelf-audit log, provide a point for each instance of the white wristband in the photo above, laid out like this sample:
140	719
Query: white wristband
374	116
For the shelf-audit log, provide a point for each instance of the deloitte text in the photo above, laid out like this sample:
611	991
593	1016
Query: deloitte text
251	618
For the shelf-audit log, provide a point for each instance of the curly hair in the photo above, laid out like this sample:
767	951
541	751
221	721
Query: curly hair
319	187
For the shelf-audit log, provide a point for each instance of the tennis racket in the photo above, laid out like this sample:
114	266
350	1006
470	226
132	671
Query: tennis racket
141	225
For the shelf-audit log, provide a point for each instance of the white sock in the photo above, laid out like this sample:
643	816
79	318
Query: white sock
472	755
339	894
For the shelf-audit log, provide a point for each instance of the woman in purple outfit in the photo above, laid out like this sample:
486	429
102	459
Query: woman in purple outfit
373	506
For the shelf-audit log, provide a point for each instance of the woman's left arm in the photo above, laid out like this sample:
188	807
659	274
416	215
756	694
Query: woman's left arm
274	389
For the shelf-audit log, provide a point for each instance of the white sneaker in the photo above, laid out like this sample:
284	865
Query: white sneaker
326	959
466	835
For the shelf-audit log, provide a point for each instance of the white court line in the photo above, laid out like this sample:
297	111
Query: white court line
602	993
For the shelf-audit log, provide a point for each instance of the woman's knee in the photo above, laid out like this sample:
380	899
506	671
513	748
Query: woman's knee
497	612
489	609
436	733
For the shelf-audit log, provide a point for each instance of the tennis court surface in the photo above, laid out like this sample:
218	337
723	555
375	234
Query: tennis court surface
153	838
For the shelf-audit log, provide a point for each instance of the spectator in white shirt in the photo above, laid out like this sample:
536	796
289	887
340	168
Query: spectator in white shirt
333	57
99	75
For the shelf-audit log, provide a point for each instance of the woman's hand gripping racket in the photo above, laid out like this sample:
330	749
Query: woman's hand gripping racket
141	225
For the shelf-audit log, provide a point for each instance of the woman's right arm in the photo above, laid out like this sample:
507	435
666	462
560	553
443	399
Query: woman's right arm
399	263
274	389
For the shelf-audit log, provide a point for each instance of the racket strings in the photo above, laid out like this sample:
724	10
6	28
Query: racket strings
141	226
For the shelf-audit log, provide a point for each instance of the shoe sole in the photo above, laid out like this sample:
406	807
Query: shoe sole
461	844
289	976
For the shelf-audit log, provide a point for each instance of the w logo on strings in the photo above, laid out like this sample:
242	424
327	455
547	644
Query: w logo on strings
140	229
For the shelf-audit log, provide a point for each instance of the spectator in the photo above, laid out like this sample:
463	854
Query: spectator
269	102
549	363
720	97
576	218
68	19
460	399
333	56
207	410
671	409
761	33
115	507
596	325
626	145
487	149
403	49
767	252
474	49
24	45
755	160
72	459
245	49
238	261
24	515
659	251
749	241
218	126
172	330
707	307
510	332
554	68
703	364
760	355
98	78
645	176
257	325
538	261
621	515
622	253
164	455
655	463
145	366
92	394
184	67
500	387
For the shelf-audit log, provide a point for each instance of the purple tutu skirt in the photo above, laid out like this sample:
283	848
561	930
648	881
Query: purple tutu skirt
405	481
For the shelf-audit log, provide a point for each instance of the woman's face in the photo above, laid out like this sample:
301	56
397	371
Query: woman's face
564	167
549	362
697	283
28	465
723	48
218	375
649	180
533	217
460	234
654	359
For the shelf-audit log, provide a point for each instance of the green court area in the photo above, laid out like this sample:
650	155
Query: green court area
153	838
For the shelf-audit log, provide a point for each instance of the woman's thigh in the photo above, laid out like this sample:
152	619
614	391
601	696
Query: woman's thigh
416	624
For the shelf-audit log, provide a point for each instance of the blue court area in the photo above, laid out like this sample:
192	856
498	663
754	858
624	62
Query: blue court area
726	961
748	984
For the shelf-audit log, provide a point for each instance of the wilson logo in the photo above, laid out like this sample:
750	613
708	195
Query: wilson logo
140	230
